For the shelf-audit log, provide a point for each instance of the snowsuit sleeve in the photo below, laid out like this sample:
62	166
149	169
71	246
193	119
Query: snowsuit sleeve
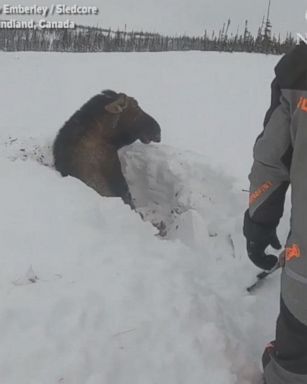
270	174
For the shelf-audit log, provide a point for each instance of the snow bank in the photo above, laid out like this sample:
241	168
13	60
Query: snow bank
90	295
111	303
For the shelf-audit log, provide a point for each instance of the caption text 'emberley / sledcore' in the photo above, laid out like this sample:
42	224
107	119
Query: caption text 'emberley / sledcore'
18	11
53	9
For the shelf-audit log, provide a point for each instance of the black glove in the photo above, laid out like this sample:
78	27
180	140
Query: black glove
259	237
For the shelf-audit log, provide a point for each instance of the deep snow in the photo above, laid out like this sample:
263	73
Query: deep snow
89	293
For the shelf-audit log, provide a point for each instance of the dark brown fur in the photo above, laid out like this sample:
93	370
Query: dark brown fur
86	146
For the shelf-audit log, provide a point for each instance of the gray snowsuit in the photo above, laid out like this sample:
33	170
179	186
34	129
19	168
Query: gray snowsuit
280	160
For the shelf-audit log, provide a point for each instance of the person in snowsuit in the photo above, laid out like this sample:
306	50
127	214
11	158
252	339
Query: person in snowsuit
280	159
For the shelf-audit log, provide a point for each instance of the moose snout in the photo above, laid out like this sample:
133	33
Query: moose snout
157	138
149	130
155	131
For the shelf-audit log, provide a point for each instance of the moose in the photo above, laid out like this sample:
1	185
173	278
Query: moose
86	146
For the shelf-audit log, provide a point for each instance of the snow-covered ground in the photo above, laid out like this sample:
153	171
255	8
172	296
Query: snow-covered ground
89	294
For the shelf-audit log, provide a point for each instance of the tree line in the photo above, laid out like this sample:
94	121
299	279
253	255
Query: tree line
94	39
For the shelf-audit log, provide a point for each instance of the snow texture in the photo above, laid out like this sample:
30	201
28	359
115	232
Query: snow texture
89	293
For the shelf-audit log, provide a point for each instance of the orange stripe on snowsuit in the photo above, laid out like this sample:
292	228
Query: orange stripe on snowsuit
293	252
254	196
302	104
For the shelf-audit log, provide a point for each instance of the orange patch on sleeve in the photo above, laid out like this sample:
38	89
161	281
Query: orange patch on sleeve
293	252
254	196
302	104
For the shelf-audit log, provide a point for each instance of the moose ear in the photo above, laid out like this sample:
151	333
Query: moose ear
117	106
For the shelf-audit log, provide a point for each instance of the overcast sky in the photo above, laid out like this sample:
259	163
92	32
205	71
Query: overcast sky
190	16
